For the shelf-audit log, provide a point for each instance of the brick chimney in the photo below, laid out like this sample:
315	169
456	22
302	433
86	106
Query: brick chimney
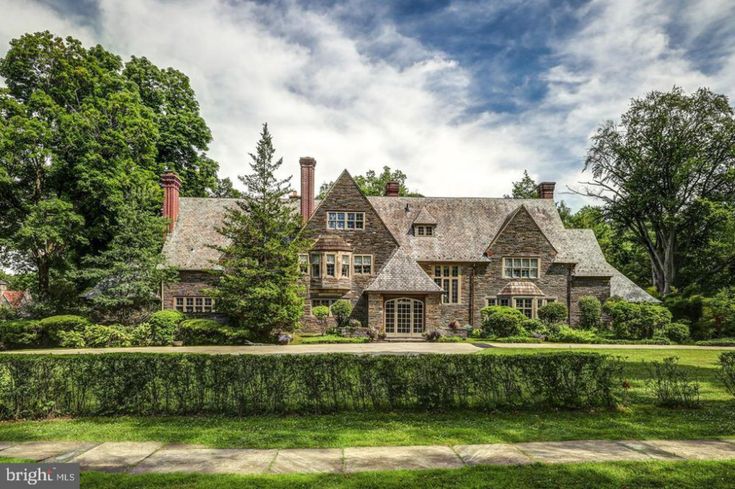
307	186
392	189
171	185
546	190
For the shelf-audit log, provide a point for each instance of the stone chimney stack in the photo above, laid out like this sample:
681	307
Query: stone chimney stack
171	185
392	189
546	190
307	186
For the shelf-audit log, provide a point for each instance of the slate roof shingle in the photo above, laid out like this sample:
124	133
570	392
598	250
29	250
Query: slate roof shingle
403	274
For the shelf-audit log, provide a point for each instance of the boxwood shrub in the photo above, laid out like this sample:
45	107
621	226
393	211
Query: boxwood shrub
39	385
209	332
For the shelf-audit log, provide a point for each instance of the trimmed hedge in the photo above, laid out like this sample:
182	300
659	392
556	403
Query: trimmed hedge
185	384
727	361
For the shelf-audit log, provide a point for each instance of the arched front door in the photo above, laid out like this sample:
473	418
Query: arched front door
404	317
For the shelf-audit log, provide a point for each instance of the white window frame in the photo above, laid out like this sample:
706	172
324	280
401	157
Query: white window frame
345	264
346	220
194	304
444	276
524	270
315	264
362	265
333	264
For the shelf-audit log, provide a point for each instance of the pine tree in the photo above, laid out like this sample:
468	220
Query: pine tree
258	285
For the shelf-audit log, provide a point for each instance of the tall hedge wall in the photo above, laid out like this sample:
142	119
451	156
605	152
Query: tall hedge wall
142	383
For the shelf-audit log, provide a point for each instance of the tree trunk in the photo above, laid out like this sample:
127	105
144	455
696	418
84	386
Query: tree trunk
43	278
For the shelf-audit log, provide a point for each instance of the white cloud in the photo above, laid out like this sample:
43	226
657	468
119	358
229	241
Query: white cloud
323	95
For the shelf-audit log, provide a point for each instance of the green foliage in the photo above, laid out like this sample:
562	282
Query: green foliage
553	312
101	336
727	362
189	384
210	332
535	327
72	339
718	314
676	332
21	333
590	312
525	188
566	334
341	311
636	320
716	342
687	309
50	328
670	386
330	339
78	132
373	184
126	277
502	321
160	328
258	287
664	173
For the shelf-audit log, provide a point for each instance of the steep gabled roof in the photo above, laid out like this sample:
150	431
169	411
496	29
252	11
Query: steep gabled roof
424	217
511	217
403	274
13	298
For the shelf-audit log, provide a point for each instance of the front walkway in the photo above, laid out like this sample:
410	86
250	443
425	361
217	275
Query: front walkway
361	348
139	457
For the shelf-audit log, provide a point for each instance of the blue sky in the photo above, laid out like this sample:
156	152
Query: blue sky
462	96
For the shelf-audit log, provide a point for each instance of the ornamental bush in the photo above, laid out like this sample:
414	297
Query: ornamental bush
636	320
727	362
590	312
191	384
341	311
321	313
553	312
19	334
159	330
502	321
51	326
676	332
566	334
210	332
670	386
101	336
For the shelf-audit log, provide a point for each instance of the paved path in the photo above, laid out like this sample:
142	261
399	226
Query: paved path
139	457
358	348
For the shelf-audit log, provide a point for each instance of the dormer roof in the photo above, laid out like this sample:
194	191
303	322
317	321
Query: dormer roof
424	217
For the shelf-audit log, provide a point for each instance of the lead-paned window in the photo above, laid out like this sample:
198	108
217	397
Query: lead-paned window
345	220
194	304
316	265
520	267
449	279
363	264
525	305
331	261
345	265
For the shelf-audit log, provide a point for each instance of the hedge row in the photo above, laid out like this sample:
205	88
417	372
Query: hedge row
175	384
727	362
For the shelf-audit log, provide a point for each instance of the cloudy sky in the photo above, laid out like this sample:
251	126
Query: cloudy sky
461	96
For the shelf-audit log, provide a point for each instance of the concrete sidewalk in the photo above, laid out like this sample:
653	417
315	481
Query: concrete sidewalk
143	457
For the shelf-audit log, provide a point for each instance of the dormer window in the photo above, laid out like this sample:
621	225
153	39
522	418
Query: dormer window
345	220
423	230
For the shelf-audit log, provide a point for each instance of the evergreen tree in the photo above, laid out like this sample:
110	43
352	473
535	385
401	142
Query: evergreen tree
525	188
374	184
128	274
258	285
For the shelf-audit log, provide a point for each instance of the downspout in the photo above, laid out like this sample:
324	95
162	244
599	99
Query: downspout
569	294
470	314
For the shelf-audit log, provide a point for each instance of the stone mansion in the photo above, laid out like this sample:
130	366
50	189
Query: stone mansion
409	264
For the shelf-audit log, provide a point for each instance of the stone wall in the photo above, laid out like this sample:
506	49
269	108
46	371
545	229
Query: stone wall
375	239
581	286
190	284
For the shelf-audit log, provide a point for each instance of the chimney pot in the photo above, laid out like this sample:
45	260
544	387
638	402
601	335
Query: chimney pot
171	185
392	189
307	164
546	190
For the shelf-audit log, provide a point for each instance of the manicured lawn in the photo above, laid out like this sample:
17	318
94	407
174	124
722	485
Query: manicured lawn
640	420
641	475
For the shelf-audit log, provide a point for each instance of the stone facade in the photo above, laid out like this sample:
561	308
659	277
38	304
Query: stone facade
191	284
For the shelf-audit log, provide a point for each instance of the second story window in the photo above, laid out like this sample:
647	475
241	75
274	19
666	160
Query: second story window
345	220
363	264
331	265
304	264
520	267
345	265
316	264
